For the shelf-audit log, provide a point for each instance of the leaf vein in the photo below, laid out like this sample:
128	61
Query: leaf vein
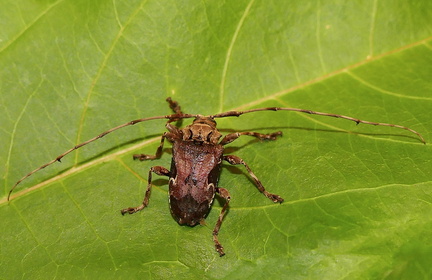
229	53
28	27
99	73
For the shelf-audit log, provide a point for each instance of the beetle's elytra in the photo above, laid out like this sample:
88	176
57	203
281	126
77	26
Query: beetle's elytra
197	151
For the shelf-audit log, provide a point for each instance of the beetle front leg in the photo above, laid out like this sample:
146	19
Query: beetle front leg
174	106
173	134
225	195
158	154
159	170
233	136
234	160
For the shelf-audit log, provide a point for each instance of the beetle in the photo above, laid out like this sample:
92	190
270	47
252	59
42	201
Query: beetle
197	155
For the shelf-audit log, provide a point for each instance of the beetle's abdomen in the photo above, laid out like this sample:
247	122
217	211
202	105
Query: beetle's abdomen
195	170
187	211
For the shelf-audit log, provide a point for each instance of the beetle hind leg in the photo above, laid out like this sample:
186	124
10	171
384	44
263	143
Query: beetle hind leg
159	170
225	195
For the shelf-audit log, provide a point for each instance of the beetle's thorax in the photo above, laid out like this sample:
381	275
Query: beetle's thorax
203	129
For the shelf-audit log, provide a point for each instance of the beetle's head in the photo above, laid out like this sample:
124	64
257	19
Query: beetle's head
203	129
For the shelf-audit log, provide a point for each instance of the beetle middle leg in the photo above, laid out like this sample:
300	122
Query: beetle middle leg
225	195
234	160
159	170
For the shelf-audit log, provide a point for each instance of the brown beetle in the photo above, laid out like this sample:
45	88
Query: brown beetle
195	168
196	163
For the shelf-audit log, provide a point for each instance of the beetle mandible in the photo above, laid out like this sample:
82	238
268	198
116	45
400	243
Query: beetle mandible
197	155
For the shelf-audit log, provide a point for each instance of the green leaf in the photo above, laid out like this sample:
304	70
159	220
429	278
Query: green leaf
357	198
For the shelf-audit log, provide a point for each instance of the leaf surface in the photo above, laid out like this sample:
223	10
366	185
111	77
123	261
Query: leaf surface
357	198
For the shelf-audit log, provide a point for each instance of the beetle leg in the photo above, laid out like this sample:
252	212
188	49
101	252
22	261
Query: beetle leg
159	170
234	160
225	195
233	136
174	133
177	109
174	106
158	154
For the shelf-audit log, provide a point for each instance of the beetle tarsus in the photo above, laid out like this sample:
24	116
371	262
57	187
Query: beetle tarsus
131	210
220	250
143	157
275	198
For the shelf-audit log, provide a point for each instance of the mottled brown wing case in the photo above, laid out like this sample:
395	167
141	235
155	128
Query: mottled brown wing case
193	182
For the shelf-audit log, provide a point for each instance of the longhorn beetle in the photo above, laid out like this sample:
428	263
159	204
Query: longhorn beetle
197	154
